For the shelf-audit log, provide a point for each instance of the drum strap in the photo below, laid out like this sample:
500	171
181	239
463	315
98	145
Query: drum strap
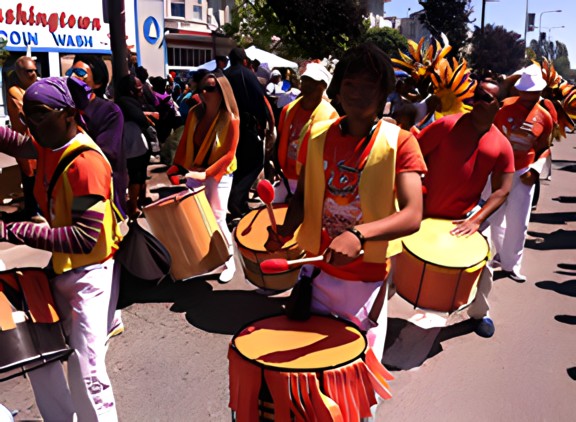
299	303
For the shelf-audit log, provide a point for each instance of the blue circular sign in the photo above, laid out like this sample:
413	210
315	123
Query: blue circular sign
151	30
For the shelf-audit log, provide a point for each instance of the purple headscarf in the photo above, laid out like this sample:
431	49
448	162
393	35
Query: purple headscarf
59	92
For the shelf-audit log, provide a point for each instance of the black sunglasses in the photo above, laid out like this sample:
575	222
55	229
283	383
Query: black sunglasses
481	95
209	88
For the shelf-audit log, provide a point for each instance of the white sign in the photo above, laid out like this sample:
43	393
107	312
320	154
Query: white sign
59	25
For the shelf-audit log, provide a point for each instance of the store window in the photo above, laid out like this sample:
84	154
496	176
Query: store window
197	12
178	8
188	56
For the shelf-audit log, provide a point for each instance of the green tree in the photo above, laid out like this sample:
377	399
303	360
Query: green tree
388	39
487	52
450	17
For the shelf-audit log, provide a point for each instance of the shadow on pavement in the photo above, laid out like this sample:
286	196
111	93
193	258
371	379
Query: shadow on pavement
554	218
565	199
408	345
572	373
566	319
215	311
567	288
567	266
560	239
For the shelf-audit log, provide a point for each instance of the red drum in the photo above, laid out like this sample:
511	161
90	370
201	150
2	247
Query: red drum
30	331
251	235
185	224
439	271
315	370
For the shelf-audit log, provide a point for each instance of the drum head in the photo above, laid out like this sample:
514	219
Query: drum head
252	229
319	343
433	243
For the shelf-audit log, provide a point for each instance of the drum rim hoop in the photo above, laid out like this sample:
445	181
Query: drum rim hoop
171	198
426	261
275	368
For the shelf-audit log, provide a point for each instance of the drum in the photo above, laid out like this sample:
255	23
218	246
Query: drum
185	224
439	271
251	235
315	370
30	331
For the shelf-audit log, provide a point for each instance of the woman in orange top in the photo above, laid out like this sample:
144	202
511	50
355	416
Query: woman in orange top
207	149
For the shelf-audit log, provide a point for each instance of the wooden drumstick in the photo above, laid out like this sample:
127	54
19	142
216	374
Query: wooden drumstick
280	265
266	194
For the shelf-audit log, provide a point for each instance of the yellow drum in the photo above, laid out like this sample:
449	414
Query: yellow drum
185	224
439	271
251	235
316	370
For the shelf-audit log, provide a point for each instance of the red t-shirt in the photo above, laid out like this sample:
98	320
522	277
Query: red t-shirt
341	199
527	141
457	168
301	117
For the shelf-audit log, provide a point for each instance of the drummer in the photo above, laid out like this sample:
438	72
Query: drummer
462	151
206	152
81	232
357	166
301	113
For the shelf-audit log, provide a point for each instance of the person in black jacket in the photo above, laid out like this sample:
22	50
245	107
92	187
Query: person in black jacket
254	115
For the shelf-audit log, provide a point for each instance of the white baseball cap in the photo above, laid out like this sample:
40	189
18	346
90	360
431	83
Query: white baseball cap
317	72
275	72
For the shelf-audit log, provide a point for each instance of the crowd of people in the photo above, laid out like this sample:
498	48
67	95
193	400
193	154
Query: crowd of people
361	156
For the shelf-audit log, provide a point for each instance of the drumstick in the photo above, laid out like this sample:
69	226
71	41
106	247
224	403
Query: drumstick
266	194
280	265
249	226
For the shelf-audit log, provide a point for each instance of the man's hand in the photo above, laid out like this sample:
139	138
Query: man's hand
343	249
465	227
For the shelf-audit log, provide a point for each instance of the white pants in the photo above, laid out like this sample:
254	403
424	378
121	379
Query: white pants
351	300
509	224
479	307
86	299
218	194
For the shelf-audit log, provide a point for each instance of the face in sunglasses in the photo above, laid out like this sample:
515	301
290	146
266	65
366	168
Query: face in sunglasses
78	72
481	95
209	88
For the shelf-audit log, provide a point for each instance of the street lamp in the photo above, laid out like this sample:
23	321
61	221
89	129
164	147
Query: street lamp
540	23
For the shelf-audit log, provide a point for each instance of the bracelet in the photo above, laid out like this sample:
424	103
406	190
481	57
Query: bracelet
357	233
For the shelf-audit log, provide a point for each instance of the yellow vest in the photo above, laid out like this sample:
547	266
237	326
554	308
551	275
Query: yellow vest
62	199
376	189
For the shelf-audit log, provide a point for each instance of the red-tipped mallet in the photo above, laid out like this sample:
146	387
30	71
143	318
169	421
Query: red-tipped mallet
279	265
266	194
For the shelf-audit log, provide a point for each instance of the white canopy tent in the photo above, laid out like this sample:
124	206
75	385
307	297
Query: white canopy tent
272	60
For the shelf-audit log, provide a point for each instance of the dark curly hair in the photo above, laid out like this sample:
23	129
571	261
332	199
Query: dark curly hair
366	59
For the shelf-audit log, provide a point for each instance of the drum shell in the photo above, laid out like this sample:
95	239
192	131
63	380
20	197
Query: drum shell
33	335
252	252
427	283
185	224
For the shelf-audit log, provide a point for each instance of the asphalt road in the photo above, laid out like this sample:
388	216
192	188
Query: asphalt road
171	362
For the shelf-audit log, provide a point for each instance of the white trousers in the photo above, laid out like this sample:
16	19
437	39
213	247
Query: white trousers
218	194
351	300
86	299
509	224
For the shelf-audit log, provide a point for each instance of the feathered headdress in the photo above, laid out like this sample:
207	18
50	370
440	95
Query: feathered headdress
453	85
422	57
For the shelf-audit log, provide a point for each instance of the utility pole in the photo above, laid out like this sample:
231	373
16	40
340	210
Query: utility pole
117	17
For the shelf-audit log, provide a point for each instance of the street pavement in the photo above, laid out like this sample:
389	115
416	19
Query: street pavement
171	364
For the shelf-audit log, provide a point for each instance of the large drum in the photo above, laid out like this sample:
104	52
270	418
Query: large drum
317	370
439	271
30	331
185	224
251	235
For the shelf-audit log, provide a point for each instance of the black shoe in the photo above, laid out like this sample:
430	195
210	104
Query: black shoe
484	327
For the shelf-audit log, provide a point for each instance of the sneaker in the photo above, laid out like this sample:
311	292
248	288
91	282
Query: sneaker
484	327
517	277
228	273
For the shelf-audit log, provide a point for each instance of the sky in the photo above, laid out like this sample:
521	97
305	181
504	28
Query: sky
510	14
